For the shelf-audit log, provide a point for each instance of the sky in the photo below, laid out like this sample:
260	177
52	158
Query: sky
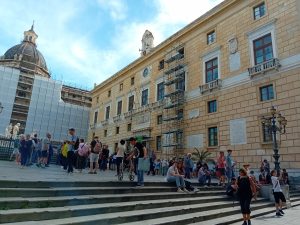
87	41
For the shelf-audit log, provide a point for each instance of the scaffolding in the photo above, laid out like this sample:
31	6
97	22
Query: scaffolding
174	81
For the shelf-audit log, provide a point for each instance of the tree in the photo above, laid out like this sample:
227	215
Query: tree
201	156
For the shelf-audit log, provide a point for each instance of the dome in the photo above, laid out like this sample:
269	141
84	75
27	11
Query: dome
29	53
26	55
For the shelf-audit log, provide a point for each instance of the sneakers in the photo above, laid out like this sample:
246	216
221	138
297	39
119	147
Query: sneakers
281	211
179	190
185	190
278	214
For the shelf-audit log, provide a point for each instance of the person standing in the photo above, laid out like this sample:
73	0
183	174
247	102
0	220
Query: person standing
104	158
278	194
221	163
45	150
245	195
96	148
229	166
142	163
72	139
120	155
28	145
23	150
188	166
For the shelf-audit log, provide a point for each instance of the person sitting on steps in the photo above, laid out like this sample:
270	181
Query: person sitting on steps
174	176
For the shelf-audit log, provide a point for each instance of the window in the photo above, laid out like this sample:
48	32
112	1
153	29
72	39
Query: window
180	113
107	111
161	64
121	87
117	130
212	106
212	136
158	143
267	134
109	93
95	117
160	91
132	81
22	94
145	97
263	50
180	84
181	52
105	133
97	99
259	11
159	119
211	37
130	102
211	70
119	109
129	127
266	93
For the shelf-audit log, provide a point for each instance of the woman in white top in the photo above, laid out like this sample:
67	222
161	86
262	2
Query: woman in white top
174	176
120	155
278	195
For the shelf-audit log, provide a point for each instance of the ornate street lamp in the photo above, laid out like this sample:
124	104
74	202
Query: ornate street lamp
275	123
1	107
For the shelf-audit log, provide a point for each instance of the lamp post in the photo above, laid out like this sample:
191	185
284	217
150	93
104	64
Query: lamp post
275	123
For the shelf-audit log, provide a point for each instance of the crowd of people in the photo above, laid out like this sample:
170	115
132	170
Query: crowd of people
95	156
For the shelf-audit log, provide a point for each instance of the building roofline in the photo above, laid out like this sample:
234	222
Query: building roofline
212	12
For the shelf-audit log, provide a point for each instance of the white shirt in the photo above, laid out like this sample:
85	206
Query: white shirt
171	171
121	149
276	184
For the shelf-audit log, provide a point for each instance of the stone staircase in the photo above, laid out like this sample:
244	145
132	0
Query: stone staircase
103	203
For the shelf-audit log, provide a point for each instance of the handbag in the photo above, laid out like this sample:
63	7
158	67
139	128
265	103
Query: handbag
144	164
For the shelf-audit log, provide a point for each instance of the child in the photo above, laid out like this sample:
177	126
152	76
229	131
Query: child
278	195
157	167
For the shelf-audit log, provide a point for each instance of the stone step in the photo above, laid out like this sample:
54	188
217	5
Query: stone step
42	202
15	215
54	184
69	191
188	214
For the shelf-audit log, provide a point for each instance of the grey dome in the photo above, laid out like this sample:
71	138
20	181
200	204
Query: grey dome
29	53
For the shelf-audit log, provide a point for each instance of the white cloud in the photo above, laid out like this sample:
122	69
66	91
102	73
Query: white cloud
117	8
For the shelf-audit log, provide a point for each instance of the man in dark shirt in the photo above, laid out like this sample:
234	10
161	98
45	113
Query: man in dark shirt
94	156
140	152
104	157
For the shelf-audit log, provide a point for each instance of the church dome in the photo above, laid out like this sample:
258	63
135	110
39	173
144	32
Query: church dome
27	55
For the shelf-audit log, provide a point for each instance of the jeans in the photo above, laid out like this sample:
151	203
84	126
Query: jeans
103	165
179	181
70	159
202	179
187	172
230	174
24	156
140	177
119	161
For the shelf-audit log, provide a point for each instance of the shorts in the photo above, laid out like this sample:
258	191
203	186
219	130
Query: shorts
44	154
94	157
245	205
221	171
16	151
279	196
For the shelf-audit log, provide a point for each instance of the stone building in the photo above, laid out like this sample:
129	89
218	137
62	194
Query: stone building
209	86
30	97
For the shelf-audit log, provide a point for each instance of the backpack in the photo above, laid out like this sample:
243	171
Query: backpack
64	150
84	150
98	147
76	145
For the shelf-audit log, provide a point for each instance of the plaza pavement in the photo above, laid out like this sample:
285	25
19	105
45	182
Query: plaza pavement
291	217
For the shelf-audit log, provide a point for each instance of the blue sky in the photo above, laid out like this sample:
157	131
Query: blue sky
87	41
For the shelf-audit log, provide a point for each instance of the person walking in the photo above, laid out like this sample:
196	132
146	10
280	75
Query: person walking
120	155
245	195
83	151
23	150
96	148
72	139
278	194
143	163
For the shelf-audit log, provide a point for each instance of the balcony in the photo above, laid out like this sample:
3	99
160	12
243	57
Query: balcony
117	118
144	108
92	126
216	84
174	69
264	67
104	122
